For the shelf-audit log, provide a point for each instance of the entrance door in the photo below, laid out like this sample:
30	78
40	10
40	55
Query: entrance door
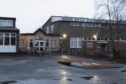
39	46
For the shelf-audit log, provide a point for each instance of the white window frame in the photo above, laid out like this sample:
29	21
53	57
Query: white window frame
76	42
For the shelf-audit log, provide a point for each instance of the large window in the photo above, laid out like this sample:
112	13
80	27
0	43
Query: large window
73	42
6	23
76	42
7	39
1	38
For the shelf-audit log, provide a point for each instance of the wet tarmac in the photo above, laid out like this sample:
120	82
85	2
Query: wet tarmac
47	70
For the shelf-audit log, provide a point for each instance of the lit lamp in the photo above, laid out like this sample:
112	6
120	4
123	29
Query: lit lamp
64	36
95	37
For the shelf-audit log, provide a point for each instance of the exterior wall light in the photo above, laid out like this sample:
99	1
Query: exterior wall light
95	37
64	36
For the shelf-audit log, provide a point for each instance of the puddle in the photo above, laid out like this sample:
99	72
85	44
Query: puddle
8	82
87	77
52	81
34	81
123	71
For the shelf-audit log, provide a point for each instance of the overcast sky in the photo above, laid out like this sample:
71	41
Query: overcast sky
32	14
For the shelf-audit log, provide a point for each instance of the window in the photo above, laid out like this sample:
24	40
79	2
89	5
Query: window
76	42
41	49
52	29
41	43
106	38
6	23
98	38
53	43
47	42
21	44
31	44
39	38
47	29
1	38
13	39
102	38
89	44
7	39
73	42
37	43
89	38
13	35
79	42
93	38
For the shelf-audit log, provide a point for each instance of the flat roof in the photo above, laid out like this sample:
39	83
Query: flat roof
8	18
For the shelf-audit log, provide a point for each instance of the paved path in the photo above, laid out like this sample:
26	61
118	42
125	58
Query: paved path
46	70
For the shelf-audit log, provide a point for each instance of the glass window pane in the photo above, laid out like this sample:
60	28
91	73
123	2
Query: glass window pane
13	41
41	43
1	34
37	43
6	41
41	48
6	35
31	44
13	35
6	23
1	40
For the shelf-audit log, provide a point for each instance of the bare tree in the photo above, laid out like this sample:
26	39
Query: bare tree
113	10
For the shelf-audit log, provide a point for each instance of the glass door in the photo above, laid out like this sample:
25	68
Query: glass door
39	46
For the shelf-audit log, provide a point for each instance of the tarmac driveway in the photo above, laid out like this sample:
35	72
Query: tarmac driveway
46	70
